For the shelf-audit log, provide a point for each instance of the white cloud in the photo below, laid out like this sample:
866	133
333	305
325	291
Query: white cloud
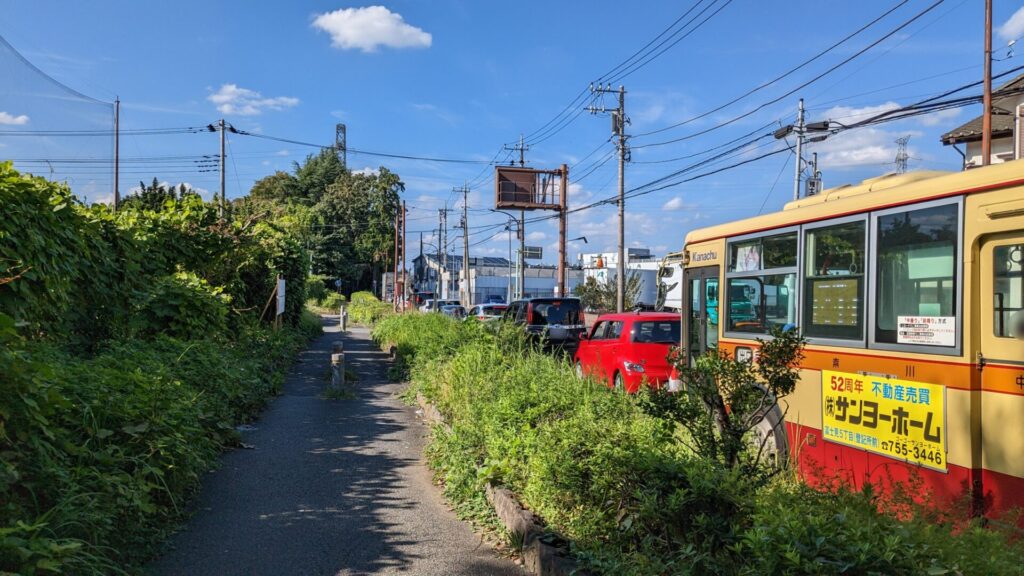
673	204
536	236
366	171
231	99
1014	27
849	115
369	28
12	120
282	153
440	113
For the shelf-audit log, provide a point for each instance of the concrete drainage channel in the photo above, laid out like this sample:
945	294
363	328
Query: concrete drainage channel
541	555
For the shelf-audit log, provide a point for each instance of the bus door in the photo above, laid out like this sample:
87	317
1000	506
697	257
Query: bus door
1000	359
702	310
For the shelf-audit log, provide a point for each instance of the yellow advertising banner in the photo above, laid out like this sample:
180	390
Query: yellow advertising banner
897	418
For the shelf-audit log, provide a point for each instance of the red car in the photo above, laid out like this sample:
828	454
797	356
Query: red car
628	349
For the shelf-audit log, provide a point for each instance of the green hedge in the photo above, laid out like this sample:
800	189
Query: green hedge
99	455
621	486
366	309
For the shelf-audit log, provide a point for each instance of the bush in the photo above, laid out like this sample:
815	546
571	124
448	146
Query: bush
181	306
366	309
316	288
621	487
98	455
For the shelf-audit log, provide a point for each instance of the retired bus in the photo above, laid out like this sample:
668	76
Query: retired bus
909	291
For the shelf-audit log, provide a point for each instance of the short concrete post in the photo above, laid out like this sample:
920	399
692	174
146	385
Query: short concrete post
338	371
343	318
339	347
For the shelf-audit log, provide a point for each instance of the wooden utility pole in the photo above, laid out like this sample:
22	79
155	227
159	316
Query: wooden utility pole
117	152
986	113
563	204
394	277
220	208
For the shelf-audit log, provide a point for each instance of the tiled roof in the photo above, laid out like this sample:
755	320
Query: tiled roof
1002	119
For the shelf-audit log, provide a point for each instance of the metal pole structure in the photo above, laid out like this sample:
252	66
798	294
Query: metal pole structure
117	152
986	113
522	253
444	251
620	280
405	278
799	131
508	283
467	286
563	204
220	208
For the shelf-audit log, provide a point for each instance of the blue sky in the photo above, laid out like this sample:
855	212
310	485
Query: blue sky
458	79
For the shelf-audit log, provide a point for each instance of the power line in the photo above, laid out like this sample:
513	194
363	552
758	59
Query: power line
781	76
803	85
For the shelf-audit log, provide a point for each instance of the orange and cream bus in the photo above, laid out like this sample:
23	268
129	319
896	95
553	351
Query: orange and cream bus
909	291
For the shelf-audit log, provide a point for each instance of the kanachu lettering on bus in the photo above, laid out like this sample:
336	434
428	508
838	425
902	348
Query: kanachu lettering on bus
896	418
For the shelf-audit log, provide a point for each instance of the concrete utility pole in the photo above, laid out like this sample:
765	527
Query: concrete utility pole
619	121
522	147
986	104
220	208
117	152
563	203
405	278
443	247
466	290
521	259
798	129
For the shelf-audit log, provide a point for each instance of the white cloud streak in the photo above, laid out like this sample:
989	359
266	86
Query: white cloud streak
232	99
1013	28
369	28
12	120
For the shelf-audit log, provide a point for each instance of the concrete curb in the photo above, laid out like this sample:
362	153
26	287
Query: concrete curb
539	557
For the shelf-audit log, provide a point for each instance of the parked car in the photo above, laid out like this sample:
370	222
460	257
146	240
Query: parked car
454	310
495	299
420	298
487	311
626	350
554	321
435	305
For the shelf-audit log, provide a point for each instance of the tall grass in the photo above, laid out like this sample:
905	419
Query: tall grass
618	484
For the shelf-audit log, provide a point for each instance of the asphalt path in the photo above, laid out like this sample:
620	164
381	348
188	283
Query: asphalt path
329	487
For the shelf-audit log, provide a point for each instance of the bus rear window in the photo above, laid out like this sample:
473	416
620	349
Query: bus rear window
916	282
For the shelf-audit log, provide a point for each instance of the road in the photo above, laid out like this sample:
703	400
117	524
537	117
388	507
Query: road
329	487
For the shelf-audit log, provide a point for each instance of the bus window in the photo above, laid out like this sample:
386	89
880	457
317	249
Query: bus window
834	281
1008	286
761	283
916	277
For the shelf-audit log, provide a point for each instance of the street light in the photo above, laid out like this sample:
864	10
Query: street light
519	261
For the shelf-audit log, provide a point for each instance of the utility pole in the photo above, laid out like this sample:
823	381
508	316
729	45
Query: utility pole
522	147
619	121
563	204
405	278
466	290
986	104
117	152
394	278
521	259
443	247
220	208
798	129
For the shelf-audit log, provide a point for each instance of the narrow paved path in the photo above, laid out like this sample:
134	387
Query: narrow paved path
329	487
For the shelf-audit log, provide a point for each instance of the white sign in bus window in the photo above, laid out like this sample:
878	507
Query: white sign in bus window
927	330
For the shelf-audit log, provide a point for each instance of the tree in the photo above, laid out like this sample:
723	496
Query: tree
729	408
154	196
316	174
597	295
278	187
355	222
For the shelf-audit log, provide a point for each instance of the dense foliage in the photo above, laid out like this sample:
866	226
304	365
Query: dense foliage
131	344
632	499
367	309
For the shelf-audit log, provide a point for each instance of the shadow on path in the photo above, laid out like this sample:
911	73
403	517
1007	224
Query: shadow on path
330	487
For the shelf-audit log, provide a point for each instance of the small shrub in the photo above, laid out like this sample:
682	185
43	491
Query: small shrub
181	306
